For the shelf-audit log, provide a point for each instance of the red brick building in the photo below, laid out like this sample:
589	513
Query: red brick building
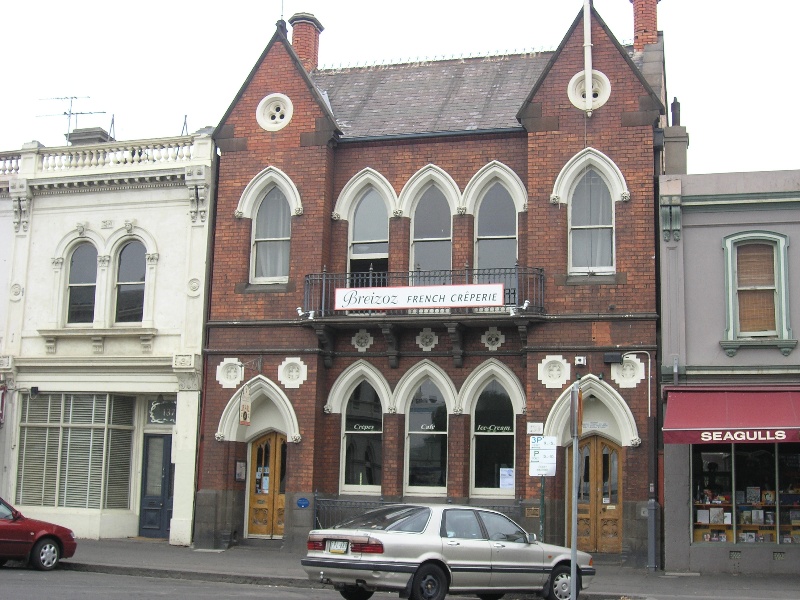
412	265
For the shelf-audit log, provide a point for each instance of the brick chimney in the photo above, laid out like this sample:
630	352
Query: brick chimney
645	23
305	38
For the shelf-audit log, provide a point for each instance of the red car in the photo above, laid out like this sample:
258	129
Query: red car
39	543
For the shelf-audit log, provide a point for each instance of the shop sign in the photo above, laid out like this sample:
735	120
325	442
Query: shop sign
744	435
363	427
424	296
427	427
162	411
493	428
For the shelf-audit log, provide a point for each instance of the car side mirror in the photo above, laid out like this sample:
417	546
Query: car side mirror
531	538
15	514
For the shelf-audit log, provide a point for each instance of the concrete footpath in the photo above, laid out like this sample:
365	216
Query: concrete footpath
265	563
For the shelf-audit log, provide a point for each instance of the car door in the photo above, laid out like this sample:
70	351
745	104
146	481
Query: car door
516	563
466	550
15	536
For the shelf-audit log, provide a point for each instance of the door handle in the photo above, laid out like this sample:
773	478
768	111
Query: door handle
499	545
453	543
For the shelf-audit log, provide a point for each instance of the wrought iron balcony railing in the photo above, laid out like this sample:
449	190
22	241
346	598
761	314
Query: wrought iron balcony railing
523	289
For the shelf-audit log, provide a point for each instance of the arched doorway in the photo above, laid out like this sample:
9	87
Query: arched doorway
599	495
267	486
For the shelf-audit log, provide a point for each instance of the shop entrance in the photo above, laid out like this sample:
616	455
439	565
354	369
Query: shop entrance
267	486
599	495
158	476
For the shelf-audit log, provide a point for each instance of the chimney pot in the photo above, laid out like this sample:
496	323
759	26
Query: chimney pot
645	23
305	39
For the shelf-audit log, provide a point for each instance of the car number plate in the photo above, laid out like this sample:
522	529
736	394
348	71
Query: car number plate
337	546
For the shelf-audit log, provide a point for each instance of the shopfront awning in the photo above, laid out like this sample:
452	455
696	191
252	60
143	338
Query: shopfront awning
702	416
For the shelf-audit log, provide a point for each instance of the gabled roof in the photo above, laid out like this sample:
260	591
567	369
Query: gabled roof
446	97
279	37
635	65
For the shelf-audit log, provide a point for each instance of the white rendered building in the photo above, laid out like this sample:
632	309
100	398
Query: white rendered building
103	271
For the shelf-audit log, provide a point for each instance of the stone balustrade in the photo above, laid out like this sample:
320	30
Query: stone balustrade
35	160
9	163
117	154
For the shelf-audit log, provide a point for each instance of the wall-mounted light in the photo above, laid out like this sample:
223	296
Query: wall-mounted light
309	314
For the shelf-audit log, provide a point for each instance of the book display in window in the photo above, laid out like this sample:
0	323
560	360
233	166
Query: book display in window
789	515
716	515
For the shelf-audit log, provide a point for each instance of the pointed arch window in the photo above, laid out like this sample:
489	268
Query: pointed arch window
82	284
131	268
272	231
427	441
591	225
493	447
369	244
363	440
432	242
496	243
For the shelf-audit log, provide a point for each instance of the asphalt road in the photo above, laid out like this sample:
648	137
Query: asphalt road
27	584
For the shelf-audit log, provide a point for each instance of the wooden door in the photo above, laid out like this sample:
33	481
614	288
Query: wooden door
599	495
267	486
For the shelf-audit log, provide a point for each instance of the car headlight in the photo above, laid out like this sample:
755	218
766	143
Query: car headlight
72	534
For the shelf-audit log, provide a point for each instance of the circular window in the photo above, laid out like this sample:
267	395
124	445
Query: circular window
601	90
274	112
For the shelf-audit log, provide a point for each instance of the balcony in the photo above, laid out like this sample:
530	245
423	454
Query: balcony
523	292
522	301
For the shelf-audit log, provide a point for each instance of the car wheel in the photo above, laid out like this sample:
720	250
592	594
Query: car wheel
353	592
558	588
430	583
490	596
45	554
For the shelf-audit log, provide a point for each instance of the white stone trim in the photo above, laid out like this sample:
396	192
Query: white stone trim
558	420
355	188
292	372
344	385
480	377
413	378
484	179
589	157
274	112
629	373
230	373
418	183
260	185
263	391
554	371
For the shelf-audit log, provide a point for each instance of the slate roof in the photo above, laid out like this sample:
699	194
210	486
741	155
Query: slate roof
433	97
470	94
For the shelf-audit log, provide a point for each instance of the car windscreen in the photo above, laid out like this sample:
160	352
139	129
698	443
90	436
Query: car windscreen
391	518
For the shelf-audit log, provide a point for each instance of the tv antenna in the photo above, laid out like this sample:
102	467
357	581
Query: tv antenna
69	113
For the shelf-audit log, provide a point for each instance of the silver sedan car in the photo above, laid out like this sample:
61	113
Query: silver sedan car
425	552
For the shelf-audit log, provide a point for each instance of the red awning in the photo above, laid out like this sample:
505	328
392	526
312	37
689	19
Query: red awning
766	415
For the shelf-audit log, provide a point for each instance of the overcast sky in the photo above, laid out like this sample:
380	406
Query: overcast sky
732	64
